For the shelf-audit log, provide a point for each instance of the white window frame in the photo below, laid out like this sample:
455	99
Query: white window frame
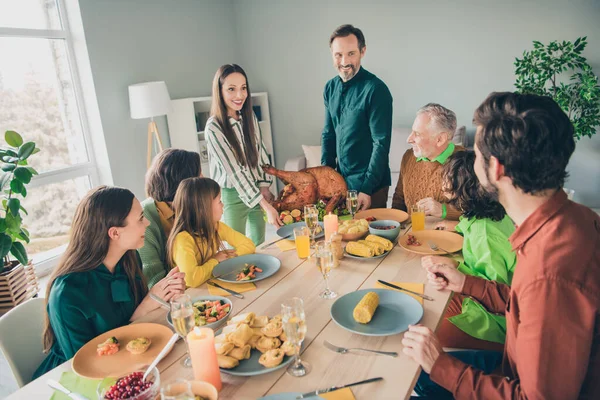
97	168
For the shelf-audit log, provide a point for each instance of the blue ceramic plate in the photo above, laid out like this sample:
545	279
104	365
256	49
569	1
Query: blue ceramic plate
288	230
209	298
269	265
288	396
393	315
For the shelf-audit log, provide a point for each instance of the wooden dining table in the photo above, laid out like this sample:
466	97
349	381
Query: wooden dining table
301	278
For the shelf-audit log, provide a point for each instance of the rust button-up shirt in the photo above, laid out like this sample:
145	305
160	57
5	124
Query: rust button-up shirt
552	346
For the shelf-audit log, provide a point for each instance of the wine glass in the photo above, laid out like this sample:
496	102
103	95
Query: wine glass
352	201
178	390
324	261
294	326
311	218
182	314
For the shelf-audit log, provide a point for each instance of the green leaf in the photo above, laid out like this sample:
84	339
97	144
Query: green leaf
32	170
23	236
18	251
8	167
13	138
26	150
36	150
17	186
5	244
14	205
10	159
22	162
2	224
24	210
13	223
23	174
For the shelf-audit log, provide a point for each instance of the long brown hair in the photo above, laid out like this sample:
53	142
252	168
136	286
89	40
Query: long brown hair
193	214
168	168
249	156
102	208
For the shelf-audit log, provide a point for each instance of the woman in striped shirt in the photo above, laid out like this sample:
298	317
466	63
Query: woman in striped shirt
236	152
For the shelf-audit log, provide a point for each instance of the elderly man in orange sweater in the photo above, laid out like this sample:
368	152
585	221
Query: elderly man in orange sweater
420	180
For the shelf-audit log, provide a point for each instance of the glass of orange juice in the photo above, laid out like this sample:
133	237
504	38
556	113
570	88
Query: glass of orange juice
302	238
417	217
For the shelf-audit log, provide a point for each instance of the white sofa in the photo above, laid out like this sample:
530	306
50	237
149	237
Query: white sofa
399	145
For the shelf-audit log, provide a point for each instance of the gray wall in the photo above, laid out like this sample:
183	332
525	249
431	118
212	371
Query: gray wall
131	41
450	52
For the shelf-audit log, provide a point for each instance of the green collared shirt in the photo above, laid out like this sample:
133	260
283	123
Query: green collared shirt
442	158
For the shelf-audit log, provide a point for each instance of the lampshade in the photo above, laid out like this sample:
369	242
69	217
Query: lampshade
149	99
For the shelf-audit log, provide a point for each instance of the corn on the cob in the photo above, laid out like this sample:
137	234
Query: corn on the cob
364	310
383	241
377	247
360	250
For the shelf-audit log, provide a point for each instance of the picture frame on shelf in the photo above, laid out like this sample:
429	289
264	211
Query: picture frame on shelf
203	152
201	119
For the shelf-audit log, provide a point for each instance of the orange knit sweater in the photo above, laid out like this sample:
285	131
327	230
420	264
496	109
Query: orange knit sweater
419	180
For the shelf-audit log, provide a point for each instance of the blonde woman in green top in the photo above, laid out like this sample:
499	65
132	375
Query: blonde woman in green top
487	254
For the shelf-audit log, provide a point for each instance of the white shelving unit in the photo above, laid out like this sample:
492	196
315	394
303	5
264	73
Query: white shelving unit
188	117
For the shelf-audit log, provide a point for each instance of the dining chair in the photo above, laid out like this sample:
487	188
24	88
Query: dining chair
21	339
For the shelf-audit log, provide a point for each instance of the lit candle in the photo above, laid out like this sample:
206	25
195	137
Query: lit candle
331	225
201	342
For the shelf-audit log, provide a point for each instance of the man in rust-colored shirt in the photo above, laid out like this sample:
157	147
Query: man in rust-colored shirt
523	145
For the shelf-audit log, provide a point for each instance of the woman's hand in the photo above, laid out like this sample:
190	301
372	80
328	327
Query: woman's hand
266	193
431	260
224	255
272	214
170	285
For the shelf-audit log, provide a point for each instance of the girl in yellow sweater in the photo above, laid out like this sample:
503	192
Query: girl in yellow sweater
195	244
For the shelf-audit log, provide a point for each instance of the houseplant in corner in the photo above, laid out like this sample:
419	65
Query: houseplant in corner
558	70
17	278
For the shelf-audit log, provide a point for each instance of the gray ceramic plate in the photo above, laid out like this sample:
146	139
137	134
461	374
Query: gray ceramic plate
269	265
393	315
288	230
209	298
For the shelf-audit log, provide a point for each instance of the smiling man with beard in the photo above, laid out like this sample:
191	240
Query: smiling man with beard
358	121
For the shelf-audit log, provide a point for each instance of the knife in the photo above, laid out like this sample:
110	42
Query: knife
57	386
278	240
233	293
160	301
331	389
405	290
228	273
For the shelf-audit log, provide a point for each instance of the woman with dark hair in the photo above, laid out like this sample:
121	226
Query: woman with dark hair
236	153
98	284
487	254
168	169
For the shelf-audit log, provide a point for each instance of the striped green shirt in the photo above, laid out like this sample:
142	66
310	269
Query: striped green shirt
227	171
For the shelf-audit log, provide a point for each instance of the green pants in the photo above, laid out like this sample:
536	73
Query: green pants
248	221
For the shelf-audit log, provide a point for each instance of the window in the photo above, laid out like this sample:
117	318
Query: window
42	98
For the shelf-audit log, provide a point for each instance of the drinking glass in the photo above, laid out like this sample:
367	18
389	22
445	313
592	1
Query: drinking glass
352	201
182	314
311	218
417	217
324	261
294	326
302	238
178	390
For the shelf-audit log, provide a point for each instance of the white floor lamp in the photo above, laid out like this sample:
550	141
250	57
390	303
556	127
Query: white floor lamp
149	100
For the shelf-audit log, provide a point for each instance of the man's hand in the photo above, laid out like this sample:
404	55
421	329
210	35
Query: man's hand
446	226
421	344
364	201
429	261
431	207
443	276
266	193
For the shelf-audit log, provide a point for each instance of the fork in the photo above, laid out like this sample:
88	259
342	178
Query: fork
343	350
435	247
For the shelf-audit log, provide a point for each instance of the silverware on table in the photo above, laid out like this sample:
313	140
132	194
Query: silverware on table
331	389
232	292
343	350
435	247
57	386
160	301
264	246
237	271
405	290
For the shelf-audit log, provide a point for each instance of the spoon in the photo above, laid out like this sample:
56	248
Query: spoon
162	353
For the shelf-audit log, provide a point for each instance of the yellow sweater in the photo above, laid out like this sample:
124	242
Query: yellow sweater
187	256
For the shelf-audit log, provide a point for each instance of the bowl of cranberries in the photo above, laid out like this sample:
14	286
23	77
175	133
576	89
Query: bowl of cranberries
131	386
385	228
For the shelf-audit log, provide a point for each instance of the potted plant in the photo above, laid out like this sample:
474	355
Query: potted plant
545	71
17	278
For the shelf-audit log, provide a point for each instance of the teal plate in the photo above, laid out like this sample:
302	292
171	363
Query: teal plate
395	312
212	325
288	230
269	265
288	396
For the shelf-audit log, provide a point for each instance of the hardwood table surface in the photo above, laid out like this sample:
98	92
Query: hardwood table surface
301	278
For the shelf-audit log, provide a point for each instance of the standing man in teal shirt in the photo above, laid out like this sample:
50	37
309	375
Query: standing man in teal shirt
358	121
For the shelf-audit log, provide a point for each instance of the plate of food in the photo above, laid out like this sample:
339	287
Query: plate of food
418	242
247	268
372	246
287	231
376	312
376	214
252	345
121	350
353	229
209	311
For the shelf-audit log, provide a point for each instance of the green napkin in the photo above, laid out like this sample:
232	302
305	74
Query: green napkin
76	383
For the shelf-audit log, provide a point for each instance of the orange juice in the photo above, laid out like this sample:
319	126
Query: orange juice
303	246
418	220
